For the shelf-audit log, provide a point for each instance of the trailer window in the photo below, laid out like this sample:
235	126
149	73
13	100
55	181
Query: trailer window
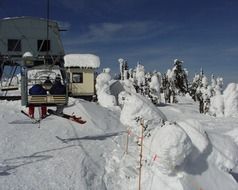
13	45
43	45
77	77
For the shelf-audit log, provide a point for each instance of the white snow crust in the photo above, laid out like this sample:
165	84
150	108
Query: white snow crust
82	60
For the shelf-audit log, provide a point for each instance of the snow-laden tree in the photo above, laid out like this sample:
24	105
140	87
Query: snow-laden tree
139	78
169	87
213	81
180	77
154	85
217	106
225	104
213	84
123	69
104	97
203	95
196	83
219	85
231	100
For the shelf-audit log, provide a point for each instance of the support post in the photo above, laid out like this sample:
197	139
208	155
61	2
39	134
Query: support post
141	150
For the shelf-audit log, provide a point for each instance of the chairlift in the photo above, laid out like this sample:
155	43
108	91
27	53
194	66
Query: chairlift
32	73
9	78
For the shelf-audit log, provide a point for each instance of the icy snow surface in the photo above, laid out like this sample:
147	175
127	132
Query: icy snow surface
62	154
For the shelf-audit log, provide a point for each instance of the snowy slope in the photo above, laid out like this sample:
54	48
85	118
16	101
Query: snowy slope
33	158
62	154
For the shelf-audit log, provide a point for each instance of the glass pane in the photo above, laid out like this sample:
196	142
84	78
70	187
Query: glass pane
77	78
14	45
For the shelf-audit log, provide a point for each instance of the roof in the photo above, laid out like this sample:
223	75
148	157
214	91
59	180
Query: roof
82	60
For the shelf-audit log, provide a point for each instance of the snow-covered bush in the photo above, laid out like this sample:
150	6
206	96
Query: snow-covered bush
103	79
105	99
135	105
172	146
231	100
140	75
226	104
128	86
155	89
217	106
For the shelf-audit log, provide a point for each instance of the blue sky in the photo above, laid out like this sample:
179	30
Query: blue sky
202	33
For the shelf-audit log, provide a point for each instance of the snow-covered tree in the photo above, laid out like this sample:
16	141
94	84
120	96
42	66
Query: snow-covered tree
169	87
219	85
180	77
225	104
155	89
104	97
196	83
231	100
139	78
123	69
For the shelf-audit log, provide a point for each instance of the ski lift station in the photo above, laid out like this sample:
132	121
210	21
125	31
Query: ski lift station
34	47
81	71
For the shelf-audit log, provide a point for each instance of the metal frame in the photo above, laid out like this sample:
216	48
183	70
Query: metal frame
39	100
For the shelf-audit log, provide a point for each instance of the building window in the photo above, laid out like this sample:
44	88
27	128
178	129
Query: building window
77	77
14	45
43	45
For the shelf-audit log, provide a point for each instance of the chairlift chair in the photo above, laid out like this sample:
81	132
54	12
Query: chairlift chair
9	79
31	73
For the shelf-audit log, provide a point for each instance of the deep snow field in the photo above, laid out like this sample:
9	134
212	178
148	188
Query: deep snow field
182	149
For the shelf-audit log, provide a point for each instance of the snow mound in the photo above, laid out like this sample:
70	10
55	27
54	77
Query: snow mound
197	135
172	146
217	106
103	79
231	100
226	104
128	86
104	96
134	106
229	89
105	99
225	151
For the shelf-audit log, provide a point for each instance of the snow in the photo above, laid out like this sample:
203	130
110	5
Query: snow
217	106
172	145
104	96
231	100
182	149
154	84
27	54
197	135
225	104
225	158
82	60
134	106
140	74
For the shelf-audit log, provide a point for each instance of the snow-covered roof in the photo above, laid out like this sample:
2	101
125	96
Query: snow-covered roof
82	60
